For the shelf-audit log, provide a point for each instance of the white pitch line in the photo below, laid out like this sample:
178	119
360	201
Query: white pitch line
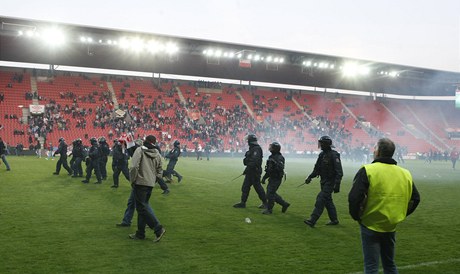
411	266
203	179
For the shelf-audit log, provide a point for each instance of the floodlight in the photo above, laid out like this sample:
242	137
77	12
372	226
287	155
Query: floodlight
154	47
124	43
29	33
393	74
171	48
257	57
137	44
269	59
350	69
239	55
20	33
231	55
250	56
218	53
308	63
363	70
53	37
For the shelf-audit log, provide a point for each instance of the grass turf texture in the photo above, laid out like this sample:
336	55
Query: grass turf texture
56	224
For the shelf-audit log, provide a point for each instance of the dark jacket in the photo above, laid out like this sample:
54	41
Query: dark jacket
118	156
329	167
77	151
62	149
104	149
94	152
2	148
274	168
253	160
174	154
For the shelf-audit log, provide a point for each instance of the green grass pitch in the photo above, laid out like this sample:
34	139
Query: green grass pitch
56	224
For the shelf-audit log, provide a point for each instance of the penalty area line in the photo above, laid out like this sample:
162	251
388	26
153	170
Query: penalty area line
411	266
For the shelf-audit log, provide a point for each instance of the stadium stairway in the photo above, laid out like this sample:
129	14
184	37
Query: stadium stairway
438	142
112	92
248	108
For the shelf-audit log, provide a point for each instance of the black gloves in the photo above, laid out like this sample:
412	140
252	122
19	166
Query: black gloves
307	180
337	188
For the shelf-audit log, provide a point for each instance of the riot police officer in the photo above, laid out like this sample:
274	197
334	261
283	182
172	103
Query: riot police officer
173	157
78	154
274	172
329	168
92	162
119	162
105	151
253	162
62	151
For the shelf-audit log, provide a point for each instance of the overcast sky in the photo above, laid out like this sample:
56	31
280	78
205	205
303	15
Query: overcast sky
418	33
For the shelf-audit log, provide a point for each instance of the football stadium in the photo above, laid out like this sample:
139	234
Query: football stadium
67	90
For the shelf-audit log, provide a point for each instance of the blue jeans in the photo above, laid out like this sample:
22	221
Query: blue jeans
130	207
378	245
5	162
145	214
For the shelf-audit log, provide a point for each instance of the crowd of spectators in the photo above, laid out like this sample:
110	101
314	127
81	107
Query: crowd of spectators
201	118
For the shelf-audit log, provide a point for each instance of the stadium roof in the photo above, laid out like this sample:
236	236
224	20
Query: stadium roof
33	41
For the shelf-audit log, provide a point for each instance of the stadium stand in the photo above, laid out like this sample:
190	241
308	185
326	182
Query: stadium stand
80	105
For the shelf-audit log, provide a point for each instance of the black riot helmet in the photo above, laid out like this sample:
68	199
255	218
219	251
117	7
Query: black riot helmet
61	139
102	139
252	139
176	143
325	142
93	141
274	147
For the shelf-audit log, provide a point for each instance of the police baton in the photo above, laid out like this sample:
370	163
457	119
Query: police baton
236	177
301	184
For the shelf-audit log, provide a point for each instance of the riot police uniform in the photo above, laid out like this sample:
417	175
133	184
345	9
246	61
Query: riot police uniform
105	151
62	151
173	157
119	163
329	168
78	155
92	162
253	162
274	171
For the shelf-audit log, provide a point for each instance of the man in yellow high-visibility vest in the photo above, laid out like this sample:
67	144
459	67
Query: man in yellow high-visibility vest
383	194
